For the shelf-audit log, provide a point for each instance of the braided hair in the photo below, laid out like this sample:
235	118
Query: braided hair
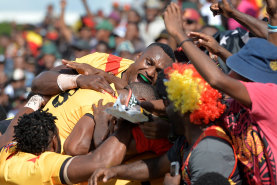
35	131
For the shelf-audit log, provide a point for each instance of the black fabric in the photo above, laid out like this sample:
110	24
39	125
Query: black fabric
174	153
4	125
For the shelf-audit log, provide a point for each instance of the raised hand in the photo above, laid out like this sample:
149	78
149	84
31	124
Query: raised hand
206	41
102	174
63	4
173	21
224	8
101	119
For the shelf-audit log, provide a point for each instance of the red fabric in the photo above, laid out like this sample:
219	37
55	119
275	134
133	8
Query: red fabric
159	146
113	64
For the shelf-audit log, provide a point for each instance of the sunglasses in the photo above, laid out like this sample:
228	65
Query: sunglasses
190	21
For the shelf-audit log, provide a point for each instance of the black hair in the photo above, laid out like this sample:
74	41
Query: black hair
35	131
167	49
212	178
160	87
143	90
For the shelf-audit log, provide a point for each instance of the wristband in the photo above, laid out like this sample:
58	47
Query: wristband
34	102
66	82
271	27
186	40
272	30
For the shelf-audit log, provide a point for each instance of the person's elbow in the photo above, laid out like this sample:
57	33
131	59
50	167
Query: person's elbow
75	149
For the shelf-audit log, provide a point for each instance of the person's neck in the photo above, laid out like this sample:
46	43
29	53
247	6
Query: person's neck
192	133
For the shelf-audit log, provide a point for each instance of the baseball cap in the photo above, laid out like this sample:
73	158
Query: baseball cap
256	61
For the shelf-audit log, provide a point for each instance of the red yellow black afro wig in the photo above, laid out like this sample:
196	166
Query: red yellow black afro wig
189	92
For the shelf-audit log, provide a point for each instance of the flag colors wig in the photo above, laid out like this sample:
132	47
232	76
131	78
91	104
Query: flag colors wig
189	92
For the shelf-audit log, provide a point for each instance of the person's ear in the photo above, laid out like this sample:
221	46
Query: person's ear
55	144
141	99
138	55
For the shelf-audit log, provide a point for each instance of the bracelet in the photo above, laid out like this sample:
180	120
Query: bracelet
186	40
272	30
271	27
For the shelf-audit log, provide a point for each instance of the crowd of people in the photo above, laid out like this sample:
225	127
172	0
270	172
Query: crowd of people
156	92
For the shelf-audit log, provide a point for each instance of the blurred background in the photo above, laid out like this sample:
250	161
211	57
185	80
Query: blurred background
35	35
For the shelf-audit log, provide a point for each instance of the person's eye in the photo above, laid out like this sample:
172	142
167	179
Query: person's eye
148	62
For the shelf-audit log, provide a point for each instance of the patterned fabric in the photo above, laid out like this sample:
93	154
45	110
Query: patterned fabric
213	131
251	146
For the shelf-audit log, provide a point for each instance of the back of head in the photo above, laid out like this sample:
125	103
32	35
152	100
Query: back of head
35	131
143	90
212	178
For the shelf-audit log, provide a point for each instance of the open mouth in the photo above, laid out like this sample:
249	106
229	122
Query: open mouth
143	79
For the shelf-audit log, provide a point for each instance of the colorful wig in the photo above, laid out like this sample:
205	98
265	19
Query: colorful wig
189	92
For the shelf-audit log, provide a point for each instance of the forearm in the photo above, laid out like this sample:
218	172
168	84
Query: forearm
108	154
87	8
8	135
255	26
144	169
46	83
223	53
202	62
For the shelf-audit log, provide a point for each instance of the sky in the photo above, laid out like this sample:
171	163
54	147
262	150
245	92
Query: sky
33	10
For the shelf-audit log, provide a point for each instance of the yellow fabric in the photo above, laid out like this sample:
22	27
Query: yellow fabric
99	61
71	105
25	168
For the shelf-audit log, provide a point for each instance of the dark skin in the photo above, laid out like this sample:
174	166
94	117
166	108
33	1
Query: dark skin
152	168
255	26
204	65
97	129
110	153
148	63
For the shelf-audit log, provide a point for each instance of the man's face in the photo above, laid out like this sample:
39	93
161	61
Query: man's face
148	64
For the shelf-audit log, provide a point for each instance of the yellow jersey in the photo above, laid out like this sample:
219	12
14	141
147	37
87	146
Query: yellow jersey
106	62
25	168
71	105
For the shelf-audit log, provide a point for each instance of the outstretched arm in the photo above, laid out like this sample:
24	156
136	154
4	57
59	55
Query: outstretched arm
87	8
47	82
141	170
66	32
272	12
204	65
110	153
255	26
211	45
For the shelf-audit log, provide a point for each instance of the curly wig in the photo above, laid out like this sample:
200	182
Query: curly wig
35	131
189	92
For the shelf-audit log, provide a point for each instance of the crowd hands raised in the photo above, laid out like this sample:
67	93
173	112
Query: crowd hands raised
204	73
